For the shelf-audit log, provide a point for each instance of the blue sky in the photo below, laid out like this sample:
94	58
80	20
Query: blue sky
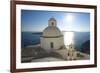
32	20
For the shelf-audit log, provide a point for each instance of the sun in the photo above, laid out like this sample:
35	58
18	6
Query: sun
69	18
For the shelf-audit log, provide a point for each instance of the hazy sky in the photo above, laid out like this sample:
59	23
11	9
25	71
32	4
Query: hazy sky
32	20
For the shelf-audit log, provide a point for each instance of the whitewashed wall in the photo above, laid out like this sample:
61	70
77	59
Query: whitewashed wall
57	42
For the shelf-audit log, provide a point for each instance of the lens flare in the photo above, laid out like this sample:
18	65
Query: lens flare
68	38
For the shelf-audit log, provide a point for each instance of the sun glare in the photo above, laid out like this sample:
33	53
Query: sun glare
69	18
68	38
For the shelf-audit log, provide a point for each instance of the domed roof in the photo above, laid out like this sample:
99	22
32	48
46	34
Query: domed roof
51	31
52	19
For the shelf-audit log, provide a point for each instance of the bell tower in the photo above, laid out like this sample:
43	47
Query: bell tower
52	22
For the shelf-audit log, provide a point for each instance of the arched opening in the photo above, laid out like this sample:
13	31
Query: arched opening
52	23
51	45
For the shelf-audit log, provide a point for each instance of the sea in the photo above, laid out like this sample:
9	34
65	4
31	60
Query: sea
33	38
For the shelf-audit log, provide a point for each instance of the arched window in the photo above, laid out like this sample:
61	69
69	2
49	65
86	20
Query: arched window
52	45
52	23
68	53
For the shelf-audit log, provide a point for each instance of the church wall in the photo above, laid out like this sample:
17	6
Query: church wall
62	42
57	43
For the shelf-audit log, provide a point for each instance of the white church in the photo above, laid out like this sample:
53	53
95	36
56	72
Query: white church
52	37
53	40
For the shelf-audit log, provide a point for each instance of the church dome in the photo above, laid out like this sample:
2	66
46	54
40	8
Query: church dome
52	19
51	31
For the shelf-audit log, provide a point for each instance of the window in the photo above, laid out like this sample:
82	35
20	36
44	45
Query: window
52	23
68	53
51	44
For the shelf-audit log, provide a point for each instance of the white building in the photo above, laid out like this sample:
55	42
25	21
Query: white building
52	37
